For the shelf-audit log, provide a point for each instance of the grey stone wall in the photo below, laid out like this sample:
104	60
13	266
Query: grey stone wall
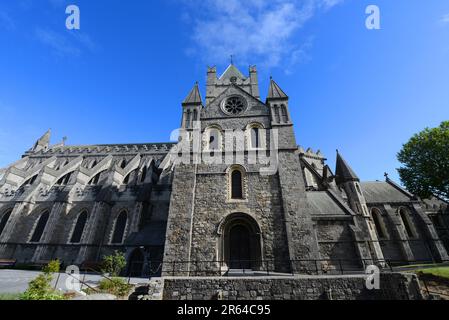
336	244
393	286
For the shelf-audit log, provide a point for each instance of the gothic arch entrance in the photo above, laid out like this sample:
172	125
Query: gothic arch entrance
240	245
135	263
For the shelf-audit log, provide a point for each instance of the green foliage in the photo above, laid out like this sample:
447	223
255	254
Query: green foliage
114	263
425	160
442	272
115	286
40	288
52	267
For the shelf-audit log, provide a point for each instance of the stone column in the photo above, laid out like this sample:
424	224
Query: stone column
179	225
298	222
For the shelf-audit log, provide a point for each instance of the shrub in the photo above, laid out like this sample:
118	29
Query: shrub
115	286
40	288
114	263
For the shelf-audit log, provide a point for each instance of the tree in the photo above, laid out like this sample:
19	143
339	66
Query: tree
425	160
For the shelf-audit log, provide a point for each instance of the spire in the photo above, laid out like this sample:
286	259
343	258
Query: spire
194	97
275	92
43	142
343	171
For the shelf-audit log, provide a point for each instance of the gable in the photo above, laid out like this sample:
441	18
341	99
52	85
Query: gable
254	107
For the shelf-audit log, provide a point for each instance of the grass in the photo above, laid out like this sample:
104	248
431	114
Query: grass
10	296
442	272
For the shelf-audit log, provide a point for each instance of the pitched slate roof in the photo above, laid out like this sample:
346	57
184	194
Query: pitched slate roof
194	96
343	171
380	191
322	203
275	92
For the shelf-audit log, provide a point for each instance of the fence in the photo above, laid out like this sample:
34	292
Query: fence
265	267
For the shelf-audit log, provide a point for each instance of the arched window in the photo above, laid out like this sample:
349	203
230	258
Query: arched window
93	164
40	227
119	229
79	227
188	119
195	115
144	174
123	164
284	114
214	139
4	220
276	114
378	222
236	184
406	222
255	137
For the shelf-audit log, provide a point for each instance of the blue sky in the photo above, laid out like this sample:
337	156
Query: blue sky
122	77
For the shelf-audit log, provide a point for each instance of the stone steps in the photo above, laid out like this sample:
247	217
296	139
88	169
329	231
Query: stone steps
152	291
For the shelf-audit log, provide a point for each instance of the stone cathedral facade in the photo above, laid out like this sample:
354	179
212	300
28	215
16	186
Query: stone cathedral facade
188	209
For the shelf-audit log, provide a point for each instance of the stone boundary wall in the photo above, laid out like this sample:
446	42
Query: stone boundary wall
393	286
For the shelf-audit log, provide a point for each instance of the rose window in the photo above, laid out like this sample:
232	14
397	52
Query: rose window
234	105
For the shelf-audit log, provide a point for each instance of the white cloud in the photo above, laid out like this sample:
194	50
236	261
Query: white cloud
254	31
6	21
71	43
445	19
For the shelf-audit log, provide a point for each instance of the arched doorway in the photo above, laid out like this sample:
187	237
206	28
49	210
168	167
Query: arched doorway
135	264
240	246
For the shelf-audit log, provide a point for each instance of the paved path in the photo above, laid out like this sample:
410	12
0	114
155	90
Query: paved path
16	281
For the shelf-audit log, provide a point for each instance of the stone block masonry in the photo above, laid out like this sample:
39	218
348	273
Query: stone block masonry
393	286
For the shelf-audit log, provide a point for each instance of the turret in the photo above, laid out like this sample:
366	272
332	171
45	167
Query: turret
210	84
254	82
191	108
277	101
348	180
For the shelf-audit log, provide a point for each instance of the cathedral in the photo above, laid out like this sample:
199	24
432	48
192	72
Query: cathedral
234	193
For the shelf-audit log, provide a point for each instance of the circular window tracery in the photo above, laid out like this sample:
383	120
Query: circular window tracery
234	105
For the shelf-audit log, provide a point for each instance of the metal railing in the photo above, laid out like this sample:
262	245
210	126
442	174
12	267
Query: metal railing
270	267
